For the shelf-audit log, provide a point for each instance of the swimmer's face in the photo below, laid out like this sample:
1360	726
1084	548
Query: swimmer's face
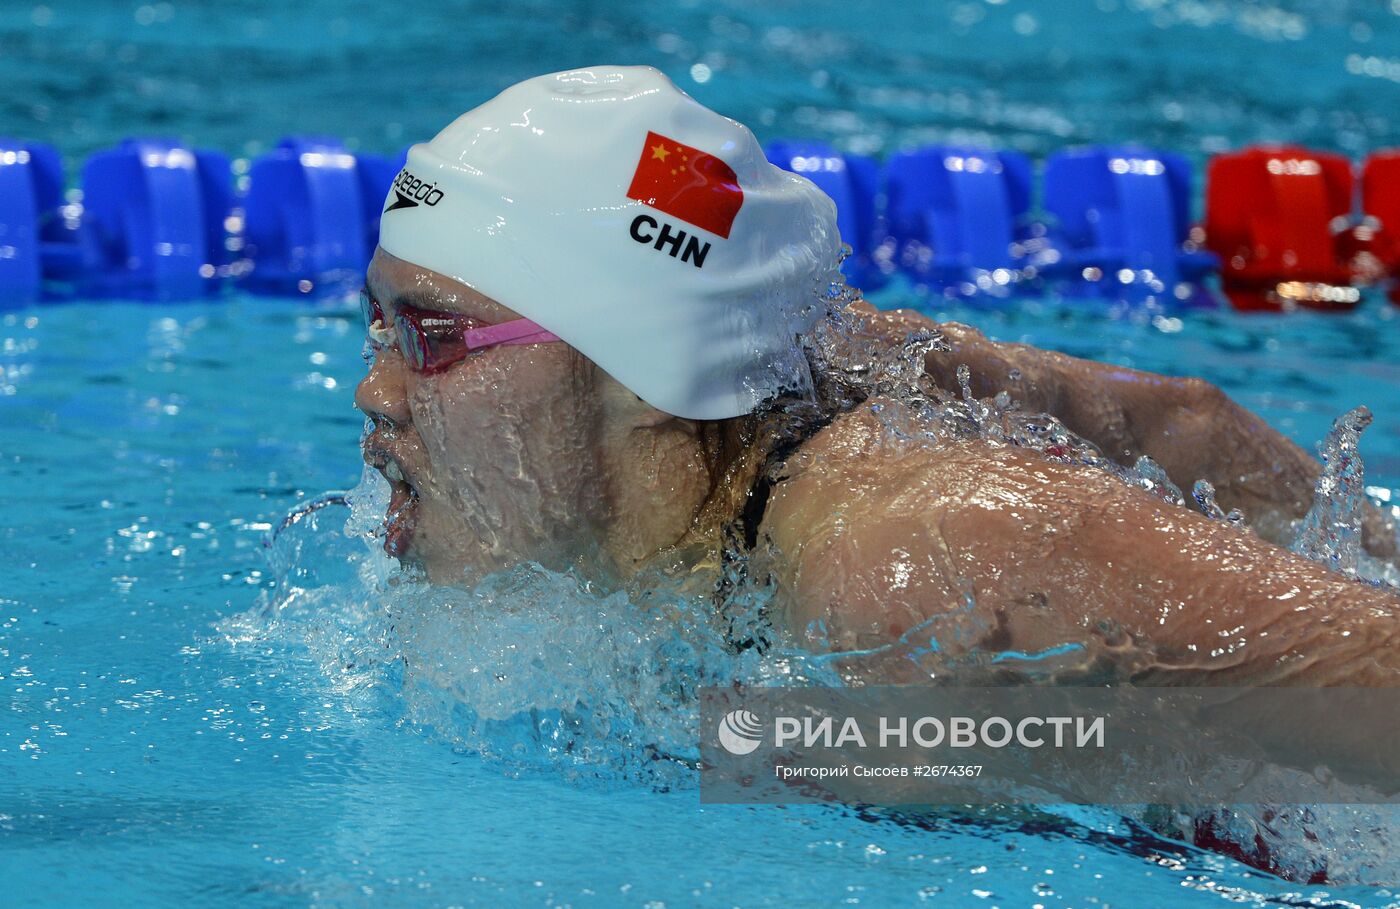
491	460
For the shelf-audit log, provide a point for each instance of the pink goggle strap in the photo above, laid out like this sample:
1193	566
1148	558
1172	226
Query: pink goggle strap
516	331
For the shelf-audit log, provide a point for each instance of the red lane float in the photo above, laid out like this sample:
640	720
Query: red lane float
1279	217
1380	202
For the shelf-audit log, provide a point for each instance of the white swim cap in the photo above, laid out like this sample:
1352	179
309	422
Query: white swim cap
645	230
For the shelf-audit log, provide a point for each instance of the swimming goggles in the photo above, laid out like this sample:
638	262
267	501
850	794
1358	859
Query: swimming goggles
431	341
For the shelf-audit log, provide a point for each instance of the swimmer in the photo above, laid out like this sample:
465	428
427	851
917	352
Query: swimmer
585	312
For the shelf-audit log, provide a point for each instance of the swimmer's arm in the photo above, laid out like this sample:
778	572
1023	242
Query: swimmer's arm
1188	426
1006	551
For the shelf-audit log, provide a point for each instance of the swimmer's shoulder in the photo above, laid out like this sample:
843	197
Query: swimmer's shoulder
864	454
872	532
849	507
858	471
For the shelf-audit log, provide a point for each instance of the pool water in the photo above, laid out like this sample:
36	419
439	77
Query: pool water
166	739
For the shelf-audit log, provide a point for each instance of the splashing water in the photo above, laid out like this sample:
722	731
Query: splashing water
868	367
1330	533
1203	494
529	668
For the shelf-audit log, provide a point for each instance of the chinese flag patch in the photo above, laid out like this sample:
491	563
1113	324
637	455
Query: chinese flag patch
687	183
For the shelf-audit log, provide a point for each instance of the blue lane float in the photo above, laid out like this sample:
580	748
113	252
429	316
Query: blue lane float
153	220
959	218
311	216
39	246
1122	225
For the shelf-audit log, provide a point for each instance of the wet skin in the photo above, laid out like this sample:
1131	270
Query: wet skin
1188	426
531	452
876	538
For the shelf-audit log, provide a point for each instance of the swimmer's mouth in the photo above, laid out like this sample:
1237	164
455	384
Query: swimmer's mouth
401	517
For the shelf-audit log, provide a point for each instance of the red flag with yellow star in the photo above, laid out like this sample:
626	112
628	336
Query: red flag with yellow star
687	183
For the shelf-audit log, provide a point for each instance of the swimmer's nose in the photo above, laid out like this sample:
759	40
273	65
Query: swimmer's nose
382	394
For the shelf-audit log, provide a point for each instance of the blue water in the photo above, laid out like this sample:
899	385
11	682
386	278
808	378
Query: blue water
162	744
